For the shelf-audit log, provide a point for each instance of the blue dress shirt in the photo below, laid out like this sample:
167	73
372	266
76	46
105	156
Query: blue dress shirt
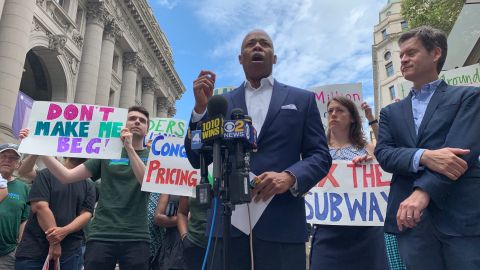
420	100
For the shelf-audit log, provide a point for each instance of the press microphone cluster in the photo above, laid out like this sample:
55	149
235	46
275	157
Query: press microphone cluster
223	139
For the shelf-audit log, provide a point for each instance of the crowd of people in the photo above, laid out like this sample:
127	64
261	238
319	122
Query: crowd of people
426	141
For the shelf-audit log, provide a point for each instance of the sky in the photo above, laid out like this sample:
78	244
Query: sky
316	42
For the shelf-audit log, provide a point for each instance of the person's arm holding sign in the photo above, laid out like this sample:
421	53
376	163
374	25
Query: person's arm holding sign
372	122
137	164
27	169
63	174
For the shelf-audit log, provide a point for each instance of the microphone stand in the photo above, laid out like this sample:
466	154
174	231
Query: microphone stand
227	211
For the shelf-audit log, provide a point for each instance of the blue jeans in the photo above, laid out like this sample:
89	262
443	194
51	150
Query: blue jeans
68	263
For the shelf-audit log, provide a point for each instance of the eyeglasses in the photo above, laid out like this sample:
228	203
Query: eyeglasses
9	158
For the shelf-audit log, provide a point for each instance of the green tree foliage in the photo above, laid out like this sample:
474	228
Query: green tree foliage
440	14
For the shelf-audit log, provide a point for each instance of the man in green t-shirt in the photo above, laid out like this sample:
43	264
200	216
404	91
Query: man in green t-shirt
13	209
119	230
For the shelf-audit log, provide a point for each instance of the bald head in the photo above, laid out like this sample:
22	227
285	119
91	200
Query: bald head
257	56
256	31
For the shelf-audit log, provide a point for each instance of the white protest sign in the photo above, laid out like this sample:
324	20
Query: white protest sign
74	130
352	195
168	169
169	127
325	93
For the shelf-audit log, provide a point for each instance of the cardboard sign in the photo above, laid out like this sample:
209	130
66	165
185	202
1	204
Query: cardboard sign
323	94
168	169
74	130
352	195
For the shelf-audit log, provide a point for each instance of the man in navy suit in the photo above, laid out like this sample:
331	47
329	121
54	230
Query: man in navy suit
292	156
430	141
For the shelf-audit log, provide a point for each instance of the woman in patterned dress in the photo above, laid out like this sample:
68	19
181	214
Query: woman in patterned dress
347	247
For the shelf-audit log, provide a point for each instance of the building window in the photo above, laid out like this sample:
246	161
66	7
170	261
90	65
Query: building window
384	34
387	56
389	68
404	25
391	89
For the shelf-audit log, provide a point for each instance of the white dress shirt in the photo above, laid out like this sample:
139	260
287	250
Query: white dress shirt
257	100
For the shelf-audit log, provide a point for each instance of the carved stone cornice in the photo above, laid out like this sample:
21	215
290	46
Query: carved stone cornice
57	43
38	27
96	13
72	62
171	110
162	105
77	39
149	85
131	61
155	40
112	30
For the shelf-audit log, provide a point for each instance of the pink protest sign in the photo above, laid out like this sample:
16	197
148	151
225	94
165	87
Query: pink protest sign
74	130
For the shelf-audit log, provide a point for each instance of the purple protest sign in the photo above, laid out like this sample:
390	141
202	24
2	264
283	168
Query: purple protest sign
22	112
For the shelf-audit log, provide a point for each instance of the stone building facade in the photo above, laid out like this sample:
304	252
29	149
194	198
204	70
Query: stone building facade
106	52
386	55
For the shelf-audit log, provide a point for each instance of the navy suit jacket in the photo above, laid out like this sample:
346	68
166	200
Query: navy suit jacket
452	119
292	140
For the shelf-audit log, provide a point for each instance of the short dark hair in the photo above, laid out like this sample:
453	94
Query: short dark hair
356	129
141	110
430	38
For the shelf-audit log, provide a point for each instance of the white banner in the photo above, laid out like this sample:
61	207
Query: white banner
74	130
352	195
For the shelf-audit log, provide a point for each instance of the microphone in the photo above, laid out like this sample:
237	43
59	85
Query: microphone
239	183
203	189
213	130
208	131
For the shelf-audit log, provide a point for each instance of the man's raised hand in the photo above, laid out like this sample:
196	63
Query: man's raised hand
203	89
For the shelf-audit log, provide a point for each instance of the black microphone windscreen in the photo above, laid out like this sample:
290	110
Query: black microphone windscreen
217	105
237	113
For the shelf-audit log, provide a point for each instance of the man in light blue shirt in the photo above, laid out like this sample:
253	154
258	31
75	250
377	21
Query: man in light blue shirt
430	142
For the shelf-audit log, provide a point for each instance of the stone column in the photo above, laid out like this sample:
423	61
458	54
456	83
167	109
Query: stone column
162	107
2	3
148	96
131	62
15	24
110	33
91	51
172	110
